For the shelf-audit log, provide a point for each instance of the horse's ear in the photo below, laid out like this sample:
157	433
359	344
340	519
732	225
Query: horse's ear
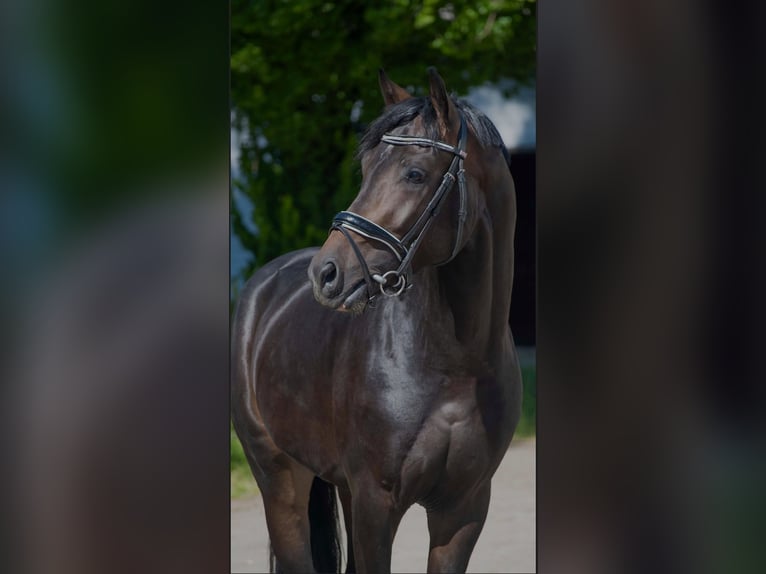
392	92
446	112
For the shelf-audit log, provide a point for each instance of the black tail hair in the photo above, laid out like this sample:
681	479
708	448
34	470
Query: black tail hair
325	526
325	529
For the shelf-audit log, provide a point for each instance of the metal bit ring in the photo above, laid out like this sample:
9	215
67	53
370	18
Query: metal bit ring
394	290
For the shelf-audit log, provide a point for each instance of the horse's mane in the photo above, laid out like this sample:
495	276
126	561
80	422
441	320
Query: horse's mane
406	110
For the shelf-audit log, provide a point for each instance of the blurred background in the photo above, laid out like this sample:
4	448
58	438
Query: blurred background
651	252
114	144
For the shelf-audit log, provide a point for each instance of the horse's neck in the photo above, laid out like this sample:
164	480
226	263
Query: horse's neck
477	297
477	284
472	294
469	297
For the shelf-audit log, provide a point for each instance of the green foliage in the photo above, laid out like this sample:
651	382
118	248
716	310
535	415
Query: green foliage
237	454
304	85
242	481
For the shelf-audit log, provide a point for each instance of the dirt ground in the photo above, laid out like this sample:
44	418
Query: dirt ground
507	543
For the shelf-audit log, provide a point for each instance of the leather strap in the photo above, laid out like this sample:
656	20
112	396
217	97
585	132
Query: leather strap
370	230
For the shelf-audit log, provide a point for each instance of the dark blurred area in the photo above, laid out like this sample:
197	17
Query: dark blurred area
651	287
114	263
523	305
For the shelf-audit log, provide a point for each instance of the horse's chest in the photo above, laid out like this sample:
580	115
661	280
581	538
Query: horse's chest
425	434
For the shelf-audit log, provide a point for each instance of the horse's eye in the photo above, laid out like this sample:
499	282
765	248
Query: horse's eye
415	175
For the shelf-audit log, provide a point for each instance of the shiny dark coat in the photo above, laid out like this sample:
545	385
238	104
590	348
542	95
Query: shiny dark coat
408	400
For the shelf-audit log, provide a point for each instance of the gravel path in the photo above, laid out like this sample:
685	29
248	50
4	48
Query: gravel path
507	543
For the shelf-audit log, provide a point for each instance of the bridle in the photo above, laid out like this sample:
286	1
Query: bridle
393	283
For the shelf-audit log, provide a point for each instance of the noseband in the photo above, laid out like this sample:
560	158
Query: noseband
393	283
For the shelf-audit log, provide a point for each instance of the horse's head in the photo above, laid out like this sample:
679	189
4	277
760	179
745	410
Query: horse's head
416	206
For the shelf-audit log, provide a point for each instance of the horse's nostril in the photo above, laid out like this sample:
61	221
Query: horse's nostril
328	279
329	273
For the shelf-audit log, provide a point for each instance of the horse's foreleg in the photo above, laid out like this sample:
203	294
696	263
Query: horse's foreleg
454	530
285	501
375	520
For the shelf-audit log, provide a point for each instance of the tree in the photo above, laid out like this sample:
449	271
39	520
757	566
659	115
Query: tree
304	85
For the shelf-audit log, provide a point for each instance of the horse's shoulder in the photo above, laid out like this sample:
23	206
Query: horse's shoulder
290	267
269	284
293	261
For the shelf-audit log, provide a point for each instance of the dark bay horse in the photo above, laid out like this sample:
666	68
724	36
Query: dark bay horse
382	363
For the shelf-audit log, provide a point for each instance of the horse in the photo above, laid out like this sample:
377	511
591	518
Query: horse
381	366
